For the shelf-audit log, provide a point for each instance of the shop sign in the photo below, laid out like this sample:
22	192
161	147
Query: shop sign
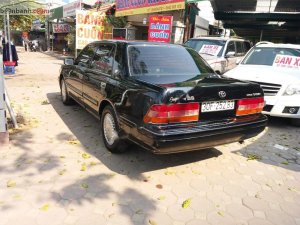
89	27
160	28
70	9
61	28
128	7
287	61
36	24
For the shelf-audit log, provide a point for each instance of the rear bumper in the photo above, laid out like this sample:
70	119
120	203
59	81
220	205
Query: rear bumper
199	137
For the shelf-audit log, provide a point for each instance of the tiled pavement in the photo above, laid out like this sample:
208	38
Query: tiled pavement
57	171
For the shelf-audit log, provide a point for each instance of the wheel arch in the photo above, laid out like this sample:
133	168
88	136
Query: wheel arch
105	103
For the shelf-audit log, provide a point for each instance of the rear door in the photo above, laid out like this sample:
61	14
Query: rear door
95	87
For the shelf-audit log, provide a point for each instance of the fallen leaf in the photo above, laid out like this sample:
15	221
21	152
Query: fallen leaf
292	189
252	156
74	142
45	102
285	162
159	186
11	183
17	197
169	172
62	172
62	157
186	203
196	172
85	185
45	207
85	156
140	211
93	163
220	213
161	198
152	222
83	167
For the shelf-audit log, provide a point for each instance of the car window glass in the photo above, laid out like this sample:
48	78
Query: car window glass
239	48
266	56
156	60
103	59
85	56
230	47
198	44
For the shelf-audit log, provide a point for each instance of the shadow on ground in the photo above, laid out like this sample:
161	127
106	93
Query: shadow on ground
277	146
132	163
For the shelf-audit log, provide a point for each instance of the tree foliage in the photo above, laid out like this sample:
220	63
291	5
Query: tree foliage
21	22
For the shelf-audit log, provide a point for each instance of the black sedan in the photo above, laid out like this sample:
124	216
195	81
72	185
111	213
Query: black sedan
162	97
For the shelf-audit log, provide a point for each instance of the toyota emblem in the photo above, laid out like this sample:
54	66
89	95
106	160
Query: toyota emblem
222	94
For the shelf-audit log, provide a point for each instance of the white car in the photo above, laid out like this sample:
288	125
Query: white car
221	53
276	67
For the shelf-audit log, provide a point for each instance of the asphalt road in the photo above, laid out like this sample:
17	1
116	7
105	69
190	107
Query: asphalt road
56	169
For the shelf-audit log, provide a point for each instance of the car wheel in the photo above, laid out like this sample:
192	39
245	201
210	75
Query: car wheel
110	131
296	122
64	93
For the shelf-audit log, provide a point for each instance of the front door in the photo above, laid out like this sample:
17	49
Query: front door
77	73
96	83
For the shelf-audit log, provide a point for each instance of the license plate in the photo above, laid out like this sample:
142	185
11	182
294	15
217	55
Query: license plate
217	106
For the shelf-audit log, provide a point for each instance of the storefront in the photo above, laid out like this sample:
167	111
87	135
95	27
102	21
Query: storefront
138	15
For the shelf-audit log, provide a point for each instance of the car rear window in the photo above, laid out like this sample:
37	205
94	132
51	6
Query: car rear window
266	55
165	60
199	44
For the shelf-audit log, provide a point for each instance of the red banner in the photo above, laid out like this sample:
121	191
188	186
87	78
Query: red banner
160	28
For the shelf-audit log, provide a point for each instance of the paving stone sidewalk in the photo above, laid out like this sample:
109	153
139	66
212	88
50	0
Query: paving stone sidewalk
56	169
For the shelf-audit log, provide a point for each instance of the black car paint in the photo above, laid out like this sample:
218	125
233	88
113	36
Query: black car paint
131	98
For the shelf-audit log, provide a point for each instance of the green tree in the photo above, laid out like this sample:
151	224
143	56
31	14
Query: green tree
21	22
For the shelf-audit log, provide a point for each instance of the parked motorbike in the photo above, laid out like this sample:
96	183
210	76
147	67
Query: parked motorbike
34	45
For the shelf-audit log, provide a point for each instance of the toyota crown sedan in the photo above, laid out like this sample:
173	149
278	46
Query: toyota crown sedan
163	97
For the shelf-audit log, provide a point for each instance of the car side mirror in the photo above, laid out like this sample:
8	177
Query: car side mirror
230	54
237	62
69	61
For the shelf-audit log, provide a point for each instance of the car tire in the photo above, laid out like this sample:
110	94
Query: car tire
66	99
111	132
295	122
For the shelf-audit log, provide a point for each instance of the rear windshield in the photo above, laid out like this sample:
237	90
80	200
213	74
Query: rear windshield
200	45
267	55
165	60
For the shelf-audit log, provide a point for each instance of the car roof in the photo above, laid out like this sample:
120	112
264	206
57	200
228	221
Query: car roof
219	38
134	42
276	45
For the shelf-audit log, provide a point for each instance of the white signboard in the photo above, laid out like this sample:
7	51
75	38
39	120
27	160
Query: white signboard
70	9
89	27
287	61
210	49
61	28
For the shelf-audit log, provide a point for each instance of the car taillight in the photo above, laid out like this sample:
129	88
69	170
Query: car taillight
250	106
173	113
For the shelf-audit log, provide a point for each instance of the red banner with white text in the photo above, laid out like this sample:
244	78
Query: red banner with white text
160	28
